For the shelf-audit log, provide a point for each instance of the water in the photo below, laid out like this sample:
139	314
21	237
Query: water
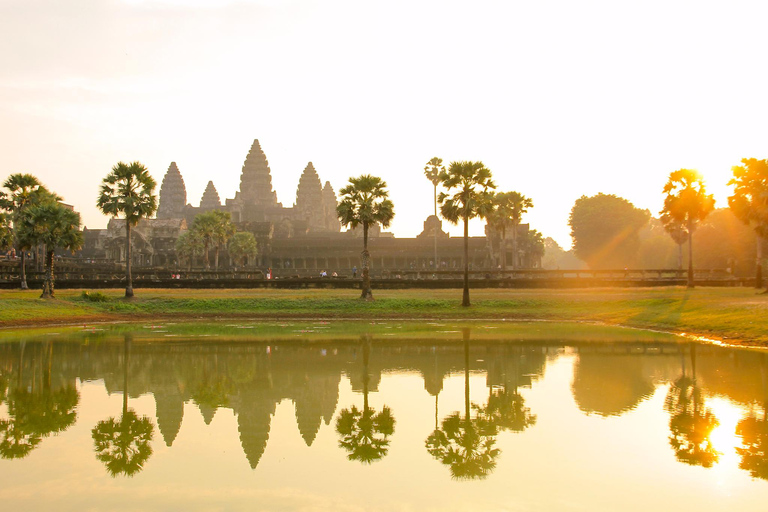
316	416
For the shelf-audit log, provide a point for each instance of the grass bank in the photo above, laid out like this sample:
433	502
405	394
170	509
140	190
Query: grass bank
731	314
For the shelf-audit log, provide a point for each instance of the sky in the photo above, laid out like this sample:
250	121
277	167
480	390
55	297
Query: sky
558	99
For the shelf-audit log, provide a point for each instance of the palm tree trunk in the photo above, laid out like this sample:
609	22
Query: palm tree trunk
690	255
504	248
435	233
759	263
206	249
514	246
465	295
679	256
23	270
48	280
216	257
366	256
128	277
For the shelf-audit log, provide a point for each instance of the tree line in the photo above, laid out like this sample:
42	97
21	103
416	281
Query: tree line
610	232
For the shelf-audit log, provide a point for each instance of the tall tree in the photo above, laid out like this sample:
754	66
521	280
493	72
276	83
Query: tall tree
6	232
129	191
188	245
224	230
605	230
677	231
687	203
241	246
432	171
749	203
508	210
214	228
55	226
365	201
472	198
23	191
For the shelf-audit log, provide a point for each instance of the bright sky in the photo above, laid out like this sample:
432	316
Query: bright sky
558	98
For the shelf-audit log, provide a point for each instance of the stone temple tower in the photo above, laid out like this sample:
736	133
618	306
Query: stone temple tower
173	195
330	218
210	199
256	179
309	197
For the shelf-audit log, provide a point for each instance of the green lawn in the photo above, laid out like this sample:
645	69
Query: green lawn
724	313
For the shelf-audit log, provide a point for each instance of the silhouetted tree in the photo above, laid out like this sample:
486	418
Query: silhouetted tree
128	191
472	198
432	171
188	245
687	204
242	246
508	210
365	201
749	203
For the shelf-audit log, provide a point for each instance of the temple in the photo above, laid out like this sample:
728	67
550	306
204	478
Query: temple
302	239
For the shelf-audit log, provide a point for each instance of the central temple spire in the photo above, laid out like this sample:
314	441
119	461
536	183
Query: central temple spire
256	179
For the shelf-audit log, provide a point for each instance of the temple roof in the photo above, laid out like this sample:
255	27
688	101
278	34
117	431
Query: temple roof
210	199
256	179
173	195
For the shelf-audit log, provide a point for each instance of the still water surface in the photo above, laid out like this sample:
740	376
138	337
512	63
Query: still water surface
392	417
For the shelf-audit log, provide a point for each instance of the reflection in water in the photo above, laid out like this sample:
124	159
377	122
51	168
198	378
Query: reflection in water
38	390
365	434
691	423
466	444
36	407
123	446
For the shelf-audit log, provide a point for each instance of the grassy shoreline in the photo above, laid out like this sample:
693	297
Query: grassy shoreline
733	315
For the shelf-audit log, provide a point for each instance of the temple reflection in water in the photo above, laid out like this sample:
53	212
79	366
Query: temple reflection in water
40	378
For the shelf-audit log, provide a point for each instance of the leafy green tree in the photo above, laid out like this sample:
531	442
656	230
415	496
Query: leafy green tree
508	210
472	198
188	245
365	434
432	171
241	246
749	203
124	446
605	230
128	190
6	232
687	204
55	226
23	191
365	200
214	228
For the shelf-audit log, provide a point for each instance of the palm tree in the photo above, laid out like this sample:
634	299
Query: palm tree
432	171
365	201
23	191
223	232
129	191
124	446
687	203
55	226
508	209
242	246
6	232
365	434
471	199
207	227
678	233
749	203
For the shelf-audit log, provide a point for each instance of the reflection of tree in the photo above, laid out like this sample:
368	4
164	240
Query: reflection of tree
36	411
467	444
124	446
691	423
754	434
365	434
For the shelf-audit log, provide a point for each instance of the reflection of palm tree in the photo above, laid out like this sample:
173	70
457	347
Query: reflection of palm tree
124	446
754	435
36	413
466	444
365	434
691	423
